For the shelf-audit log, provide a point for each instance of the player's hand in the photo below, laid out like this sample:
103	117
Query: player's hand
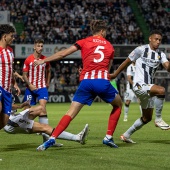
38	62
17	89
26	104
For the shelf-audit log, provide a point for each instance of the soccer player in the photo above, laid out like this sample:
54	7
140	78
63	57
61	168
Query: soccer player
97	57
37	79
24	122
7	33
129	94
147	58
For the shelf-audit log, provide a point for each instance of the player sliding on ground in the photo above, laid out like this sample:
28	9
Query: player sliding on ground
25	120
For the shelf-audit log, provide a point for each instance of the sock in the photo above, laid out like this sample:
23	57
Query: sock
140	108
68	136
113	120
43	119
126	110
64	122
136	126
158	107
45	137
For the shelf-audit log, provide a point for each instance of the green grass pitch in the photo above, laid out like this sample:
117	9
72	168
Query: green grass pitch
152	150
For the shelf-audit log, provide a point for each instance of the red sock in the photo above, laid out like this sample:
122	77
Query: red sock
113	120
64	122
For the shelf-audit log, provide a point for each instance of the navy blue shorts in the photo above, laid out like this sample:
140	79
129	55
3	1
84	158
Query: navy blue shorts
39	94
90	88
6	100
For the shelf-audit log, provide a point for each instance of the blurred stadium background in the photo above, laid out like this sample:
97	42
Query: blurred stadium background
61	22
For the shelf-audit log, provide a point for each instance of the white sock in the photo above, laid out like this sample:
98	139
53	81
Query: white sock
108	136
136	126
140	108
43	119
158	108
68	136
126	110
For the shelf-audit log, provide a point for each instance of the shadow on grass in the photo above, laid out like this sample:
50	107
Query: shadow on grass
16	147
160	141
30	146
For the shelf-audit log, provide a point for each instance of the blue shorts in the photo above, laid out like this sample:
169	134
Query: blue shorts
39	94
89	89
6	100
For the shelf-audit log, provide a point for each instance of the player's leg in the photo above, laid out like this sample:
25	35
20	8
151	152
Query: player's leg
62	125
110	95
112	122
147	117
159	93
43	117
3	119
147	104
74	109
42	94
126	110
5	107
45	128
35	111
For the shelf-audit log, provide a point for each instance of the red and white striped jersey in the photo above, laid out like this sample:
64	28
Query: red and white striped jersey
96	53
6	68
36	75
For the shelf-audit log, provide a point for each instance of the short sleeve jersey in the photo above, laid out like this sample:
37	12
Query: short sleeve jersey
36	75
6	68
96	53
147	62
130	72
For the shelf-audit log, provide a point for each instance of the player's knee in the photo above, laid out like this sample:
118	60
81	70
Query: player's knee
146	120
127	105
161	91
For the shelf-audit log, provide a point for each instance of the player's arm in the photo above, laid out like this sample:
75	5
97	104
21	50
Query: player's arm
25	105
15	84
110	64
166	65
57	56
25	77
48	77
129	78
125	64
18	75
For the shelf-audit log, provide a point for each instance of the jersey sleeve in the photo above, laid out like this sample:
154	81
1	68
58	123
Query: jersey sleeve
48	66
163	58
128	72
135	54
79	43
26	66
112	54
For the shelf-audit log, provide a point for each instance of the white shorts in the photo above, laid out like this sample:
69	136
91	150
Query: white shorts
129	95
19	120
141	91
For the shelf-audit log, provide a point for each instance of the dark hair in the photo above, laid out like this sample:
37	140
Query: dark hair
6	29
38	41
155	32
97	25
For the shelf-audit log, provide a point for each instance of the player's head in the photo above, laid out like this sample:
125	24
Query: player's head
155	39
98	27
38	45
7	33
